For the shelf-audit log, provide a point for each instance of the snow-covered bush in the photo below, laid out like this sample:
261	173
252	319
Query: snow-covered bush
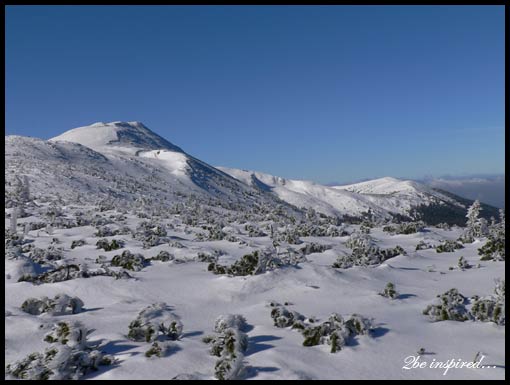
69	356
314	248
67	272
155	320
45	256
336	331
449	246
254	231
163	256
449	306
389	291
150	234
229	344
77	243
129	261
365	252
13	239
405	228
422	245
282	317
61	273
205	257
104	231
258	262
109	246
158	349
61	304
463	264
492	308
247	265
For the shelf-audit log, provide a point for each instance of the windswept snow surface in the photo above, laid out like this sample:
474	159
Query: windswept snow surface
312	288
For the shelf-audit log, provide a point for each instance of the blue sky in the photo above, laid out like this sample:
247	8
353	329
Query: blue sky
326	93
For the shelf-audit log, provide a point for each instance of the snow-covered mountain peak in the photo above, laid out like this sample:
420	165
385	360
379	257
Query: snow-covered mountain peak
384	186
118	135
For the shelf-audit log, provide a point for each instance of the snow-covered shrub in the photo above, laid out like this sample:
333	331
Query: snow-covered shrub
365	252
247	265
69	356
254	231
314	248
67	272
257	262
158	349
205	257
77	243
282	317
109	246
443	226
389	291
104	231
449	306
155	320
61	304
463	264
225	321
422	245
163	256
336	331
150	234
492	308
45	256
61	273
13	238
129	261
449	246
405	228
229	343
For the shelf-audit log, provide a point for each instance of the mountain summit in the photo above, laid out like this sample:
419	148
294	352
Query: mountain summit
117	135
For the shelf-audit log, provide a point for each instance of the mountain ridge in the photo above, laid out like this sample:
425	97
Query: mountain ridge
95	158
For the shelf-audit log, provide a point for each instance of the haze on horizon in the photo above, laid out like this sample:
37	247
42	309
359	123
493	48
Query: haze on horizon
338	93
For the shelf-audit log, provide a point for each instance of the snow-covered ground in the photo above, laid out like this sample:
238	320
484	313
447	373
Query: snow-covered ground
313	288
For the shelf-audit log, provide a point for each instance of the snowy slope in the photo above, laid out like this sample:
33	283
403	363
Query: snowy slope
306	194
124	162
116	136
384	197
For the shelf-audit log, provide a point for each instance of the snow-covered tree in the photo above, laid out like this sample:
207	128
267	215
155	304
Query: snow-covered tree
476	227
229	344
494	248
389	291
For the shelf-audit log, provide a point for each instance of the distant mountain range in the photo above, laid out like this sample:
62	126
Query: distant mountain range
127	162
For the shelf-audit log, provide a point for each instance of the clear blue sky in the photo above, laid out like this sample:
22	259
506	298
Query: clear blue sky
326	93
